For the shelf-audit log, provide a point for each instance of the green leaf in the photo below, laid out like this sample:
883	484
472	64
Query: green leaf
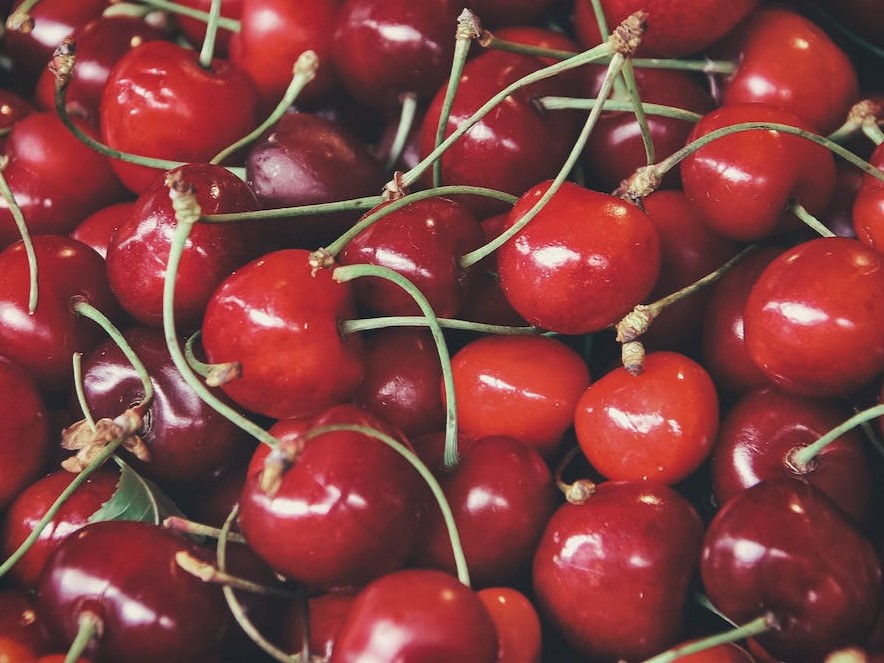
135	498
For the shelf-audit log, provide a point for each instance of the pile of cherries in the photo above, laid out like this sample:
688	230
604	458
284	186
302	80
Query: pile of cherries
397	330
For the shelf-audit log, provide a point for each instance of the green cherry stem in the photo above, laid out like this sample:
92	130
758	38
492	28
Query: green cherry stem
467	31
574	103
175	8
460	560
873	132
862	116
407	115
207	52
89	627
214	374
185	526
77	361
628	74
350	272
757	626
24	233
605	33
810	220
303	72
208	573
187	213
365	324
802	458
366	202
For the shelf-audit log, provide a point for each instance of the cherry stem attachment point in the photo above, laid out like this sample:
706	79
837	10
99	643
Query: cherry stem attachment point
207	51
24	233
810	220
580	490
214	374
757	626
802	459
89	627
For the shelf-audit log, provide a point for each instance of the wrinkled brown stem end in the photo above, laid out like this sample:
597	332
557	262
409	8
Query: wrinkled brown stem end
62	63
627	36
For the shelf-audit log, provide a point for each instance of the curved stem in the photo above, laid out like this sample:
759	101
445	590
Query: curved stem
88	627
407	114
25	235
366	202
804	457
350	272
365	324
573	103
174	8
580	490
757	626
303	72
810	220
201	368
207	51
77	360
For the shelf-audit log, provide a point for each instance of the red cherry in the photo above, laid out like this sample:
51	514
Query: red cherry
532	35
868	207
416	616
327	612
372	39
524	387
213	107
43	343
516	622
789	62
659	425
814	321
509	12
729	653
582	263
139	248
500	491
612	574
15	651
20	620
31	505
12	109
280	320
97	229
742	183
344	483
783	546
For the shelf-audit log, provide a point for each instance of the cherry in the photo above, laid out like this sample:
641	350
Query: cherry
510	149
372	38
532	35
524	387
760	434
824	292
326	612
190	444
300	163
416	615
20	620
97	229
500	491
43	343
139	249
783	546
573	276
510	12
273	34
516	622
789	62
741	183
612	574
148	607
280	320
12	109
659	425
24	440
674	28
402	378
31	505
212	108
422	241
195	30
344	513
868	207
15	651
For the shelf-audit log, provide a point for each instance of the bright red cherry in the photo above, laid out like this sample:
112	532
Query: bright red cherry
12	108
327	612
814	321
868	207
659	425
582	263
97	229
517	624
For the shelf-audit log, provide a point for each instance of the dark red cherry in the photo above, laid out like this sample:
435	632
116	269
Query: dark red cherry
149	608
139	249
43	343
501	493
582	263
326	612
782	546
422	241
612	574
825	292
21	621
344	513
212	108
742	183
279	318
31	505
97	229
12	108
762	431
524	387
509	12
416	616
301	162
195	29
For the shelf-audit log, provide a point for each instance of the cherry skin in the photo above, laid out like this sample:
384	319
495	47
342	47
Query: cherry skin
12	109
516	622
24	440
659	425
344	482
868	207
140	246
422	241
280	320
789	62
97	229
783	546
500	491
21	621
31	505
402	378
416	616
373	38
134	575
524	387
582	263
327	612
825	292
742	183
44	342
15	651
612	574
509	12
183	112
765	427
